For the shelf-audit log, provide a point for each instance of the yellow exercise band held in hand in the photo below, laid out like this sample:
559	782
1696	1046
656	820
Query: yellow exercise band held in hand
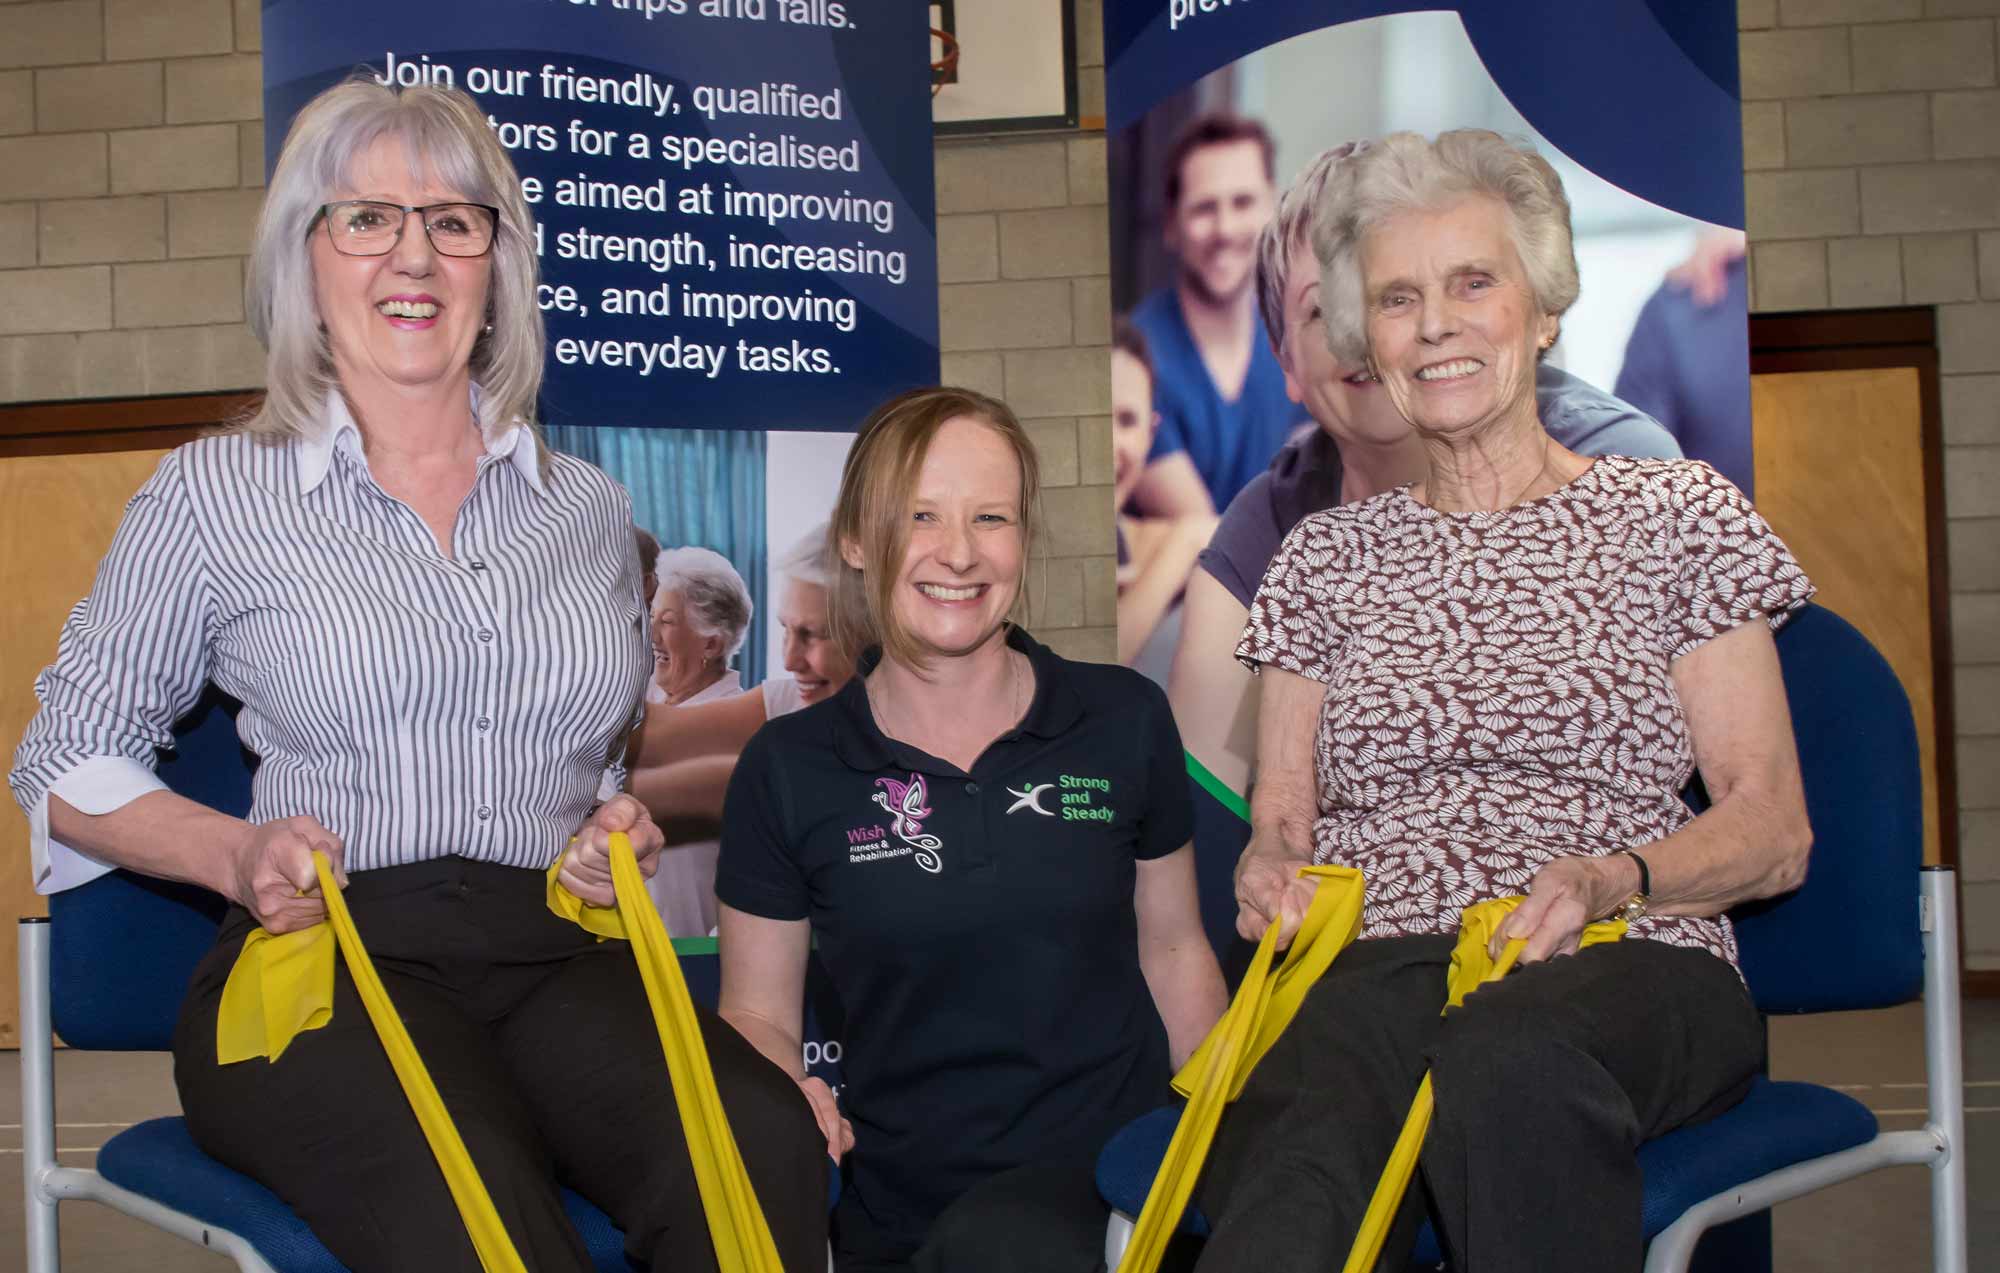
736	1224
1264	1005
1472	966
282	986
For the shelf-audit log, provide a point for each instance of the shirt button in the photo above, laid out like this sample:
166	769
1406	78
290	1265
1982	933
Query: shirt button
484	811
484	723
476	565
971	788
486	634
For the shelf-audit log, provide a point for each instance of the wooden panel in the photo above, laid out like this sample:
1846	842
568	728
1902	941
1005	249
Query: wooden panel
117	424
1840	475
57	515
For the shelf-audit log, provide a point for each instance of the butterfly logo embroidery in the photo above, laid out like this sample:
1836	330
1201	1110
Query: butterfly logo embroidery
907	808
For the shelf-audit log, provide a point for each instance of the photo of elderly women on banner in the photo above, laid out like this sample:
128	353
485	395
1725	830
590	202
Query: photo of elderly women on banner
702	712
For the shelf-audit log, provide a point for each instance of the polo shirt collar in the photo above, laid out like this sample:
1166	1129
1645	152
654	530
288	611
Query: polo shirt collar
513	443
863	746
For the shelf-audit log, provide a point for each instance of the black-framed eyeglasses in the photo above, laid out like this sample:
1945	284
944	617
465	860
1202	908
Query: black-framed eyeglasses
368	227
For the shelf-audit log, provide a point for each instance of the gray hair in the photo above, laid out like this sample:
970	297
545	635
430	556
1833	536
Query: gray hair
445	134
808	560
1326	178
1404	172
715	602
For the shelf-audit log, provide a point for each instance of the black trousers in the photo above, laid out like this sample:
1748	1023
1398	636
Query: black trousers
1546	1084
1045	1217
540	1042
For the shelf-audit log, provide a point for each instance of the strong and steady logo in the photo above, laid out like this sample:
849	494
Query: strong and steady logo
1078	798
1030	797
907	805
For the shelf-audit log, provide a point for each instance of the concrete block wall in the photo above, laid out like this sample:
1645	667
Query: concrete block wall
1871	139
131	156
131	152
1024	314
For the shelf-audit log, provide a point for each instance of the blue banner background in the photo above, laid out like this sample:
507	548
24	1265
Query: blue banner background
880	64
1641	92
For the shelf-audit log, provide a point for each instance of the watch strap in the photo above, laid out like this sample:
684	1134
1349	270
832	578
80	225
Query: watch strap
1645	873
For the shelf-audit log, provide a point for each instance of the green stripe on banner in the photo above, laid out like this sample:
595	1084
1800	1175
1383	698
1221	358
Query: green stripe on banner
1214	786
694	945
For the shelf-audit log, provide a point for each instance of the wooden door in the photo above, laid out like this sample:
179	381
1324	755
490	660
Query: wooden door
66	472
1848	464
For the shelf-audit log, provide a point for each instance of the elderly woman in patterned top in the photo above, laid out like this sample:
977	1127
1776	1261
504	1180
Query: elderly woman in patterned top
1496	680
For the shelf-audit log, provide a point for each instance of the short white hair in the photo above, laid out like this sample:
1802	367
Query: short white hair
446	136
715	602
807	560
1406	172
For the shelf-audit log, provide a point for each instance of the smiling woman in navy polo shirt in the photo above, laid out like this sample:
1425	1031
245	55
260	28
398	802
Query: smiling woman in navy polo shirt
989	845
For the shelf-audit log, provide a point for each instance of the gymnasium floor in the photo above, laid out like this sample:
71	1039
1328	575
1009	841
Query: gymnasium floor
1880	1223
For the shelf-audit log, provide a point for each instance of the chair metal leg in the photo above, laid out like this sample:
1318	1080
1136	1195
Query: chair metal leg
45	1184
38	1097
1117	1236
1674	1246
77	1183
1939	1144
1944	1068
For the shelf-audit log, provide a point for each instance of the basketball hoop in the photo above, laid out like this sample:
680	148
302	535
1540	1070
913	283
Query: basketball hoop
945	68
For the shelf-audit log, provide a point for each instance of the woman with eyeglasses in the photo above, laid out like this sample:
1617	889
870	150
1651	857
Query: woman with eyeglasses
434	626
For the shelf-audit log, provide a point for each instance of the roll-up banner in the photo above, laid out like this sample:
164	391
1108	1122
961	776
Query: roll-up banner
1232	423
734	218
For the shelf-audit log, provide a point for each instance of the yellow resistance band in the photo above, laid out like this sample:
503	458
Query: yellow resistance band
283	985
743	1242
1264	1005
1472	966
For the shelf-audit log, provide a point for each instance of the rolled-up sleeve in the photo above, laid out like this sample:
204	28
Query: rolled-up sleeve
131	660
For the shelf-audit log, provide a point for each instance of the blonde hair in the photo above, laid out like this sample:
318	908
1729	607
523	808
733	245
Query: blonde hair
444	134
878	484
1405	172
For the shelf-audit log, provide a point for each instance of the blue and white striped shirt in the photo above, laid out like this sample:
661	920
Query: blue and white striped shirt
416	705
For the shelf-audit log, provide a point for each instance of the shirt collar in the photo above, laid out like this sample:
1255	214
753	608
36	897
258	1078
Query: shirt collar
514	443
863	746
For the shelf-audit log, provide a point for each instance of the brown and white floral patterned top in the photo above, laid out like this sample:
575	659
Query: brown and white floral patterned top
1498	685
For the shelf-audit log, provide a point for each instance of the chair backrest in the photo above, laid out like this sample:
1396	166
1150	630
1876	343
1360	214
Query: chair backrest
1849	938
123	947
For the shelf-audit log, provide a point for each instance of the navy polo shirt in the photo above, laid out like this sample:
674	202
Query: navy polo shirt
978	927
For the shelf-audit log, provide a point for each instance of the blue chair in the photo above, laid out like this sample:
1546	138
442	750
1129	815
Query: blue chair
1872	927
107	970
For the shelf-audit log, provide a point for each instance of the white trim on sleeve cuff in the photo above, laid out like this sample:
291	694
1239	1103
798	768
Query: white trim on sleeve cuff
97	785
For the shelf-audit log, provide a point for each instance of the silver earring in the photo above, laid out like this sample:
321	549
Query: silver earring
488	329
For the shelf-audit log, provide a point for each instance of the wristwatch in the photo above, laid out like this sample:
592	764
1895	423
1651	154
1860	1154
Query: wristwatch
1634	907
